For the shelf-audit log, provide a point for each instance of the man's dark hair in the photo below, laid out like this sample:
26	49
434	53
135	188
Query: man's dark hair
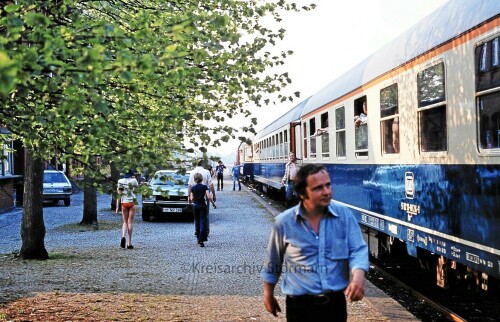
301	178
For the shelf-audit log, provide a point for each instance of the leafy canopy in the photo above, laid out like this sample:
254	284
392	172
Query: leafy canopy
134	81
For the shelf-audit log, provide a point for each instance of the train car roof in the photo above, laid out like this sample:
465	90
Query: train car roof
287	118
447	22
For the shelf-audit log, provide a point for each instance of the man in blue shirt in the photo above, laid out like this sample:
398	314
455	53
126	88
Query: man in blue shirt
316	245
236	176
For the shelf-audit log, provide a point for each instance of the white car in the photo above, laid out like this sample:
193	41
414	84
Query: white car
56	186
168	196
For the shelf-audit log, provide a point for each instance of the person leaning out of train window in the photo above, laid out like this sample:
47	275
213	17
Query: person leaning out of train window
362	118
288	180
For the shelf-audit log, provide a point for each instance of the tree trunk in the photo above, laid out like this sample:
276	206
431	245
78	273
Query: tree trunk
89	202
115	176
32	225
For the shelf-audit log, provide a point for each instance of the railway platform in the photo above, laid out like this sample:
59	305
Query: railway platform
166	277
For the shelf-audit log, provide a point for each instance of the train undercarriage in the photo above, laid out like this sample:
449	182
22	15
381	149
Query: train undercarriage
447	274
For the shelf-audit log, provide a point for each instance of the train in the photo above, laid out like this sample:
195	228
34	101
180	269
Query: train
422	171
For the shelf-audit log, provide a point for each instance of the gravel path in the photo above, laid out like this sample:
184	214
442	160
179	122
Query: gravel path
166	277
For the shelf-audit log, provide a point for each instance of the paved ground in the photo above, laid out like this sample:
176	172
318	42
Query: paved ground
166	277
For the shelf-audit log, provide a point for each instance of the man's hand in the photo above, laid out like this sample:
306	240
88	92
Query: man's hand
270	302
355	291
272	305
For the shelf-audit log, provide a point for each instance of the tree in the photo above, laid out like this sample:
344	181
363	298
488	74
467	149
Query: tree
125	80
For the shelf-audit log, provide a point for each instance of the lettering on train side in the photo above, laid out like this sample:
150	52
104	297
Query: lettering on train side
422	239
410	209
472	257
441	246
455	252
370	221
392	228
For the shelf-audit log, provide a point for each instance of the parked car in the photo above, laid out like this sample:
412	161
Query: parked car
168	196
56	186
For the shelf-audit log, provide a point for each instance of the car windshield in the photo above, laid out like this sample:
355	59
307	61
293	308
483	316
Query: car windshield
170	179
49	177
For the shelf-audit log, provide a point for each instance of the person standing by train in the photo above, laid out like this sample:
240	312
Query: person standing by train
317	245
219	170
291	169
236	175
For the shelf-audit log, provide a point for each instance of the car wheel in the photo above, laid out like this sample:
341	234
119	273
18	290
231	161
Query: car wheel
67	202
146	216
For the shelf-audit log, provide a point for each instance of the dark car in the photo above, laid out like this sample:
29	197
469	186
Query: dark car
168	196
56	186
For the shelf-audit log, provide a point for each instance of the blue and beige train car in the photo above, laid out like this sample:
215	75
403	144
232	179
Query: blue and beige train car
423	167
271	147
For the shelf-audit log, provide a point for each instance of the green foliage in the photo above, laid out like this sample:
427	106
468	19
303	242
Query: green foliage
134	81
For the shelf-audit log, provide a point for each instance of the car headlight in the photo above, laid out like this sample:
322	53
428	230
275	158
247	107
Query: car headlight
150	198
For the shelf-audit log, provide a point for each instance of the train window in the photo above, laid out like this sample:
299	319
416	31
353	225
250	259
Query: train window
280	153
304	146
432	109
361	127
489	126
340	132
286	145
325	137
487	57
389	114
312	137
268	141
430	84
276	147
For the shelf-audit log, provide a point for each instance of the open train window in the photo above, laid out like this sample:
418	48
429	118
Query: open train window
487	58
432	109
312	137
361	127
340	132
323	133
389	115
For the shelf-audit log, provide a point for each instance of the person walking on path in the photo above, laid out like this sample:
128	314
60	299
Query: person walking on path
207	180
236	176
320	244
219	170
199	192
126	191
291	169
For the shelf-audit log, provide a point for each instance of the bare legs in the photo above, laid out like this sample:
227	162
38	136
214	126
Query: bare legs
128	223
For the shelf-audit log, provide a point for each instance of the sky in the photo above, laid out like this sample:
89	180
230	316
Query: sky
330	40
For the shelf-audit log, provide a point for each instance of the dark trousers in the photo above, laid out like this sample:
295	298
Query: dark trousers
220	181
328	307
200	222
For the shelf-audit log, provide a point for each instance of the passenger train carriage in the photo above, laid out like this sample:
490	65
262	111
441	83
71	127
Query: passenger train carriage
424	168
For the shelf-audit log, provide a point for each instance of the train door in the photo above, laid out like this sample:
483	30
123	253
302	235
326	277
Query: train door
295	140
